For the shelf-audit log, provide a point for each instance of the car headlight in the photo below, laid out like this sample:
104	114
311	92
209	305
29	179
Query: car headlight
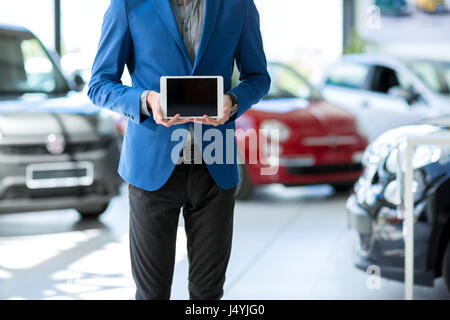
392	193
105	124
374	153
423	155
393	190
269	127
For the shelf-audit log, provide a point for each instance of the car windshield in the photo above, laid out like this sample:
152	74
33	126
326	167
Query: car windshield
25	66
435	75
287	83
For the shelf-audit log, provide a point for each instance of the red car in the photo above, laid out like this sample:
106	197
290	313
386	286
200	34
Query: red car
319	143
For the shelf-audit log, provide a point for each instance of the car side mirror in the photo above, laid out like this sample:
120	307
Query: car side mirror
410	96
78	80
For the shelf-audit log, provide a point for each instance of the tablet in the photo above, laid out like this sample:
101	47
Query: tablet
192	96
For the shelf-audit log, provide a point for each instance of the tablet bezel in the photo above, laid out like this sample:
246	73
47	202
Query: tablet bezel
220	94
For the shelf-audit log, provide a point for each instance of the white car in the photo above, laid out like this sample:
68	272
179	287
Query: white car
384	92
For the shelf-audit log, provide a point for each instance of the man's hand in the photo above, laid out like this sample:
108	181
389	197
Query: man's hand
154	106
227	108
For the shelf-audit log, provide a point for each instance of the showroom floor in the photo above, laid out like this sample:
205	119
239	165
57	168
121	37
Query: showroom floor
288	244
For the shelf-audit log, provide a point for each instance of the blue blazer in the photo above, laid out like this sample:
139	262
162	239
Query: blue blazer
144	36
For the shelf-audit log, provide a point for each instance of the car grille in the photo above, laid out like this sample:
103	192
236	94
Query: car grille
22	192
325	169
37	149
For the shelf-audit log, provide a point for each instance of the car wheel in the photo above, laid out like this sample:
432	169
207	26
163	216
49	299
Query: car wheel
343	187
94	212
446	267
244	189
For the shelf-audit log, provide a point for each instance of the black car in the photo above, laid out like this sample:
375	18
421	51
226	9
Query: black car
57	150
373	210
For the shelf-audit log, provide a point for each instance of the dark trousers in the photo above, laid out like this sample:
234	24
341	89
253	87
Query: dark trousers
208	215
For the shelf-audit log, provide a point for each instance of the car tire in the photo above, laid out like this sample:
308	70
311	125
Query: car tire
343	187
446	267
94	212
244	189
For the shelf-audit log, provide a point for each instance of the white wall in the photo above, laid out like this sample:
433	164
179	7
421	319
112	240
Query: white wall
37	15
305	31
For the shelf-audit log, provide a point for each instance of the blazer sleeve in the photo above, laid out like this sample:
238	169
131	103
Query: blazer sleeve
252	64
106	88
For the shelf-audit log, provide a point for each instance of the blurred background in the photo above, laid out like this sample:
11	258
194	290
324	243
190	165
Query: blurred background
351	80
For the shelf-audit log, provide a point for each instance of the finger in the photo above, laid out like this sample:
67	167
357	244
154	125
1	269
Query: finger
218	121
165	123
182	121
174	120
199	120
187	120
226	114
210	121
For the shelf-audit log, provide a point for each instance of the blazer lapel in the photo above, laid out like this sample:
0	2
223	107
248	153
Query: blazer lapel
164	9
211	13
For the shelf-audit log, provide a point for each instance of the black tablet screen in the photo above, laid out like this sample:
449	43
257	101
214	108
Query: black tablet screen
192	97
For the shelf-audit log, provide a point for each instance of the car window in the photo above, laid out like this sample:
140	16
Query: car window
405	81
26	68
447	77
384	79
427	73
348	75
287	83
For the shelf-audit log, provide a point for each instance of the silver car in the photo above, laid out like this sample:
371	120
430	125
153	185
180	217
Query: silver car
57	150
384	92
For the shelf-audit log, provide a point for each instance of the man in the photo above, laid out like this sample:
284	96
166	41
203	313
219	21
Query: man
154	38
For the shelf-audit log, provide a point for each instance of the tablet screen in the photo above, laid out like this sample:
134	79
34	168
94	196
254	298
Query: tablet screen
192	97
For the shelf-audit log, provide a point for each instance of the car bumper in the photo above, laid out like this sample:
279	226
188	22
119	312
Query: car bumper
53	203
359	219
15	196
382	245
301	171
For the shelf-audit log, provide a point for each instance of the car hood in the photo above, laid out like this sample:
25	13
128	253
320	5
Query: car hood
384	143
38	115
316	117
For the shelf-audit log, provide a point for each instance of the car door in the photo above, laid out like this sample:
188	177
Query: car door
344	86
384	110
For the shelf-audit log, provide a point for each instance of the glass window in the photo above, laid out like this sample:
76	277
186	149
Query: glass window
26	67
426	72
446	71
348	75
287	83
405	81
385	78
